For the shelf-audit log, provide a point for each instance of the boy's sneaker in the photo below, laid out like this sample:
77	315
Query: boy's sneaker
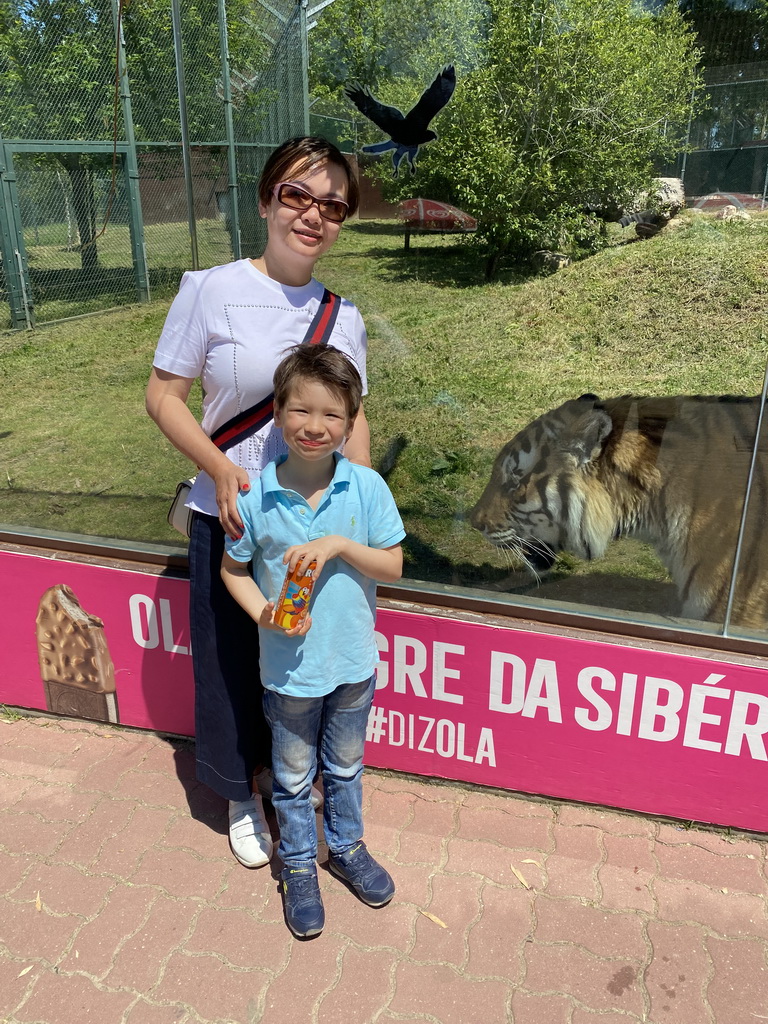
360	871
302	903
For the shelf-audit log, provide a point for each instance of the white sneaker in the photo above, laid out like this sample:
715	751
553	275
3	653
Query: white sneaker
249	834
264	782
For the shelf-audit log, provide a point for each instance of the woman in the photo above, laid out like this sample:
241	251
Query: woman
230	326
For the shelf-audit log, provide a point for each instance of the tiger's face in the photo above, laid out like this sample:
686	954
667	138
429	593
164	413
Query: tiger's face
515	512
534	503
669	470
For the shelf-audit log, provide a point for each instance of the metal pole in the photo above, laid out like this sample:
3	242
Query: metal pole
687	137
304	65
24	298
182	90
745	509
314	11
234	209
15	265
131	164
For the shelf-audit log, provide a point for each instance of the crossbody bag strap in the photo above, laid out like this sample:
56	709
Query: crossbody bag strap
252	420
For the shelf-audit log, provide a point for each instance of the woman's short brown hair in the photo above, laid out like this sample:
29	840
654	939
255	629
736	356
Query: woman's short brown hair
324	364
296	156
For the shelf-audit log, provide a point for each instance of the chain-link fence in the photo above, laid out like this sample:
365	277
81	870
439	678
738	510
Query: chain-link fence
126	158
727	135
729	139
160	132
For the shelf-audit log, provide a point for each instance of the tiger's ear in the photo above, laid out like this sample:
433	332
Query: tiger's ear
585	440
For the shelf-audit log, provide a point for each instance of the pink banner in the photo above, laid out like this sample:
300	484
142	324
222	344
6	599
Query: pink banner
145	632
583	720
536	713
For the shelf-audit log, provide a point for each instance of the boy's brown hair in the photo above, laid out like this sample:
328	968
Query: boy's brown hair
327	366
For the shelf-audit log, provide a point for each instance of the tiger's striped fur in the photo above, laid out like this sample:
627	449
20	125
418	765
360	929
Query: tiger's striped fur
671	471
647	222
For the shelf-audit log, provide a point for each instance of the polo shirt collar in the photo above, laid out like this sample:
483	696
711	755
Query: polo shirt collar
341	474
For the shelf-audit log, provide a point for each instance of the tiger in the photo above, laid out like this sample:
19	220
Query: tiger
647	222
671	471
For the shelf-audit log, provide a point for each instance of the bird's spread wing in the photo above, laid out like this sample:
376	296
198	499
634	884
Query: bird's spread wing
434	98
386	118
379	147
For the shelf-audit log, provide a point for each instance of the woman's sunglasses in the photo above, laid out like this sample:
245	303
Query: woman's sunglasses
296	198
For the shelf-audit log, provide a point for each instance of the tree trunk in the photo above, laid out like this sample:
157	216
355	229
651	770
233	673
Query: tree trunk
71	229
492	265
83	202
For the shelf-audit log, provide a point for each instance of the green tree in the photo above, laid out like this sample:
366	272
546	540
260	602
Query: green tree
54	84
393	49
574	102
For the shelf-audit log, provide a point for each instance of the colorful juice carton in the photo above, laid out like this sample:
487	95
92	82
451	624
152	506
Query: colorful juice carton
293	603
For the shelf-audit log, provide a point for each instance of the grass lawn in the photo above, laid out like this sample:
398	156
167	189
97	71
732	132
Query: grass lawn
60	288
456	366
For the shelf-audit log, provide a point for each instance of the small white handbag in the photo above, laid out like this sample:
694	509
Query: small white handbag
179	516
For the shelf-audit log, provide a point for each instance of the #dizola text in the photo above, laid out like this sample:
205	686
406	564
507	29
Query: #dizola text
704	713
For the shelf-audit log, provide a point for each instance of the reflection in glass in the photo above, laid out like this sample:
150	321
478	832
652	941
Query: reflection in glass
672	471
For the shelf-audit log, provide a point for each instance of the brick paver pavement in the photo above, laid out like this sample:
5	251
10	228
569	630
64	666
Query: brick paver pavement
121	904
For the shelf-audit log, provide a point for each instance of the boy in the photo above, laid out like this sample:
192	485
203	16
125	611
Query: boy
315	505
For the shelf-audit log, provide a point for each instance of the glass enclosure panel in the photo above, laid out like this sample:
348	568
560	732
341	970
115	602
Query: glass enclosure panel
512	485
567	421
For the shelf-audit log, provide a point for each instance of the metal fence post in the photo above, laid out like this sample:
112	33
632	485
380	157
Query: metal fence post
234	206
303	30
12	247
745	508
182	88
684	163
131	168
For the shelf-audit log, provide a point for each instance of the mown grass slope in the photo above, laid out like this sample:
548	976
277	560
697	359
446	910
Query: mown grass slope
456	367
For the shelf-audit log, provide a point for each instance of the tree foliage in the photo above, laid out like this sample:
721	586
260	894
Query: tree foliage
729	31
57	78
57	66
574	102
393	49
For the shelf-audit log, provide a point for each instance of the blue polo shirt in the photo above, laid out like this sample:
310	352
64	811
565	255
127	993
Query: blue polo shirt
340	647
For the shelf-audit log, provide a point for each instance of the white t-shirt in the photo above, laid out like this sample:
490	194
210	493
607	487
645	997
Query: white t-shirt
231	326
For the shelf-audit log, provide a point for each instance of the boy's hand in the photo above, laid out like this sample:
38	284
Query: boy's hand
382	564
267	621
320	551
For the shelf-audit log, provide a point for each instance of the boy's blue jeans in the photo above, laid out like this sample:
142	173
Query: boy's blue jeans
333	726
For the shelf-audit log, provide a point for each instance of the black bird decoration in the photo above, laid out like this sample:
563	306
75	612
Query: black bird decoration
407	132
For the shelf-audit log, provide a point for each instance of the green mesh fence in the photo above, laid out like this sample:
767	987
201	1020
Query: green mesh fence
63	197
730	137
343	133
728	130
242	66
